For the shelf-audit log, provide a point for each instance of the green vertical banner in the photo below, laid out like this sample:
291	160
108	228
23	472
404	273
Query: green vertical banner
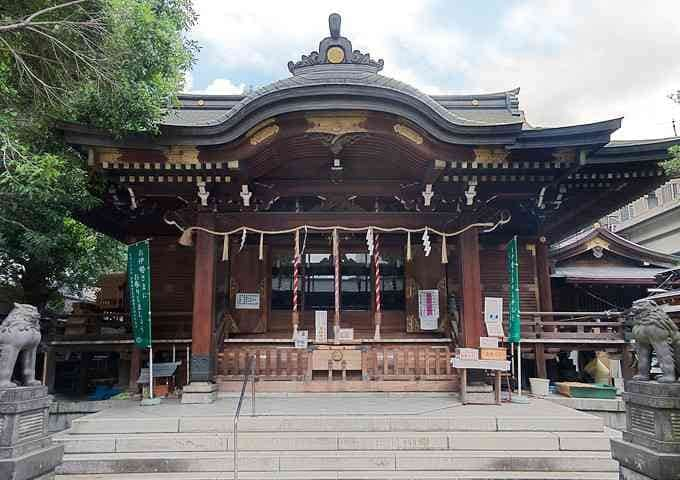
513	273
139	286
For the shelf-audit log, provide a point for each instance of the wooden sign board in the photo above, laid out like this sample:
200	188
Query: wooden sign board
488	342
493	316
467	353
493	354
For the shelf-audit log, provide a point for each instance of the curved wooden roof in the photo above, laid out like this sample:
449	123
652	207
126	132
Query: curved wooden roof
349	80
601	237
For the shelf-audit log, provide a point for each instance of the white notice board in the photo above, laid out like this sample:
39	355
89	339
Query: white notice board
321	326
493	316
301	339
247	301
428	309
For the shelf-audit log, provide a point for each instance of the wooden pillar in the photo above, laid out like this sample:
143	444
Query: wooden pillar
51	368
471	288
135	364
544	299
203	322
543	277
83	371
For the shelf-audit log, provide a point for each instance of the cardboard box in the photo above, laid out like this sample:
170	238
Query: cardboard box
493	354
467	353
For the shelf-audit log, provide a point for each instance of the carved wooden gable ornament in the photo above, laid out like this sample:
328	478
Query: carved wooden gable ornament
335	50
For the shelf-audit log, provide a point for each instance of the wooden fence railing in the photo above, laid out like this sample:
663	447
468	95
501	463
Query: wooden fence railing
421	362
271	363
601	326
408	363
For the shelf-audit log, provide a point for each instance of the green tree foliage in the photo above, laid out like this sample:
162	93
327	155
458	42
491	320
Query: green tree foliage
672	166
112	64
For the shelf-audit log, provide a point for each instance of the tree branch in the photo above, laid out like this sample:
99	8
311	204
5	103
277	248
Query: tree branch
14	222
27	21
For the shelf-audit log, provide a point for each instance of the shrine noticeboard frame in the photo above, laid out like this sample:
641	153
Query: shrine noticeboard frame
139	286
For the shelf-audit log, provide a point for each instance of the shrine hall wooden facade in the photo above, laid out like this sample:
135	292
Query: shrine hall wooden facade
336	144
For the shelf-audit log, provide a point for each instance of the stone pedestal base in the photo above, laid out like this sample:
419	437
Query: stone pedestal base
628	474
650	448
199	392
638	459
26	449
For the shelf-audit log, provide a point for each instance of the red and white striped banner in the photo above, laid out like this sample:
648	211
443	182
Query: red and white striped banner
336	262
296	271
378	282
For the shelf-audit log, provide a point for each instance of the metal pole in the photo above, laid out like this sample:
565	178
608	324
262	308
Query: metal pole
519	368
150	371
236	447
512	357
173	353
188	366
253	392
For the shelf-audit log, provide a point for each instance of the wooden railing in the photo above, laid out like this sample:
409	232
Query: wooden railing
115	325
408	363
601	326
90	325
378	362
271	363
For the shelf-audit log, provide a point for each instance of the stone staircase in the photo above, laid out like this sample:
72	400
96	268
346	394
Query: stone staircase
338	447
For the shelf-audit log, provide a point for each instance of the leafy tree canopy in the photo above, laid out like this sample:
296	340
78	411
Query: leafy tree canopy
113	64
672	165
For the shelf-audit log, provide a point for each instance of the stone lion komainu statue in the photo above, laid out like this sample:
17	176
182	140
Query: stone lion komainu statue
653	329
19	334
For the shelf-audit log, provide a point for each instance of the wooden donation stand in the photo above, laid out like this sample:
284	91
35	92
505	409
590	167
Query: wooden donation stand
497	366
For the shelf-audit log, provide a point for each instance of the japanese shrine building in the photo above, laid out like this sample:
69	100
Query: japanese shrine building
337	146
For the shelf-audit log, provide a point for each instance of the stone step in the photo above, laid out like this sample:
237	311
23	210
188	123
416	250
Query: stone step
95	424
338	461
327	441
358	475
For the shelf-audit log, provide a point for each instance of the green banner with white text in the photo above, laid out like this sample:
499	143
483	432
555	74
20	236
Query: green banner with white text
513	273
139	286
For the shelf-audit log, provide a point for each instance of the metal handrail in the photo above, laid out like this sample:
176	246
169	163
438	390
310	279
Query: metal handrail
250	372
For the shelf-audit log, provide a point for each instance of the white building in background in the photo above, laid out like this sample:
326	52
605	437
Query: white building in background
652	221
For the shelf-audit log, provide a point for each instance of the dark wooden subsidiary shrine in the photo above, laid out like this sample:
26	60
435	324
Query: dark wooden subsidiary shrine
330	191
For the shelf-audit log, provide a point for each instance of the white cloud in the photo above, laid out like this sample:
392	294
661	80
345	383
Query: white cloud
223	86
219	86
603	62
576	62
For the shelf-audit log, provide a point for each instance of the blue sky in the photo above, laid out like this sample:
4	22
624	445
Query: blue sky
576	61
